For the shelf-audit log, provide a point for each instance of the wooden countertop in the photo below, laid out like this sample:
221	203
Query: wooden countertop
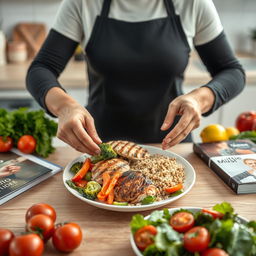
12	76
105	232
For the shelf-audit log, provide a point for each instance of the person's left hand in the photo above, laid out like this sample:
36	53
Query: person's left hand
190	106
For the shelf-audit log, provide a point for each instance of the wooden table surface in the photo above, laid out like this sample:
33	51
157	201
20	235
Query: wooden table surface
107	233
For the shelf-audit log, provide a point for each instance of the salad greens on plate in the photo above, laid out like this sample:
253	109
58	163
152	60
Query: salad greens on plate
194	232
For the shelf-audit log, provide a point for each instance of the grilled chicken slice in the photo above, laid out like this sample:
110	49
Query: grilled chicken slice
133	187
129	149
110	165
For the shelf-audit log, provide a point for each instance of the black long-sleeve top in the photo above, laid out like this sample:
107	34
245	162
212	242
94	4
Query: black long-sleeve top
228	77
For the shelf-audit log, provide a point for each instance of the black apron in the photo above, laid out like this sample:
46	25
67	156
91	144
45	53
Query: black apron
135	70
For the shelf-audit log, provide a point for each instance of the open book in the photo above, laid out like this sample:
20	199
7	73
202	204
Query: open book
19	172
233	161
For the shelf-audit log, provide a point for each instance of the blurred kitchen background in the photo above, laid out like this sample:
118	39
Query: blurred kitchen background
30	20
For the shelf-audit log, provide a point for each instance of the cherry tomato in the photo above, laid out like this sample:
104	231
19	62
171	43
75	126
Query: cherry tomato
67	237
144	236
214	252
6	237
196	239
5	144
182	221
41	208
27	144
215	214
42	223
26	245
245	121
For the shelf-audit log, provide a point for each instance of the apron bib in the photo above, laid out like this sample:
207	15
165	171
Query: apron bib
135	70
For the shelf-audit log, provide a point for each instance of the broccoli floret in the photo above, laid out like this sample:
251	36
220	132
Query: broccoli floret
107	152
76	167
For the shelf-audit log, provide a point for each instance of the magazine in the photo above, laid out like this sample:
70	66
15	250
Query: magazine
233	161
19	172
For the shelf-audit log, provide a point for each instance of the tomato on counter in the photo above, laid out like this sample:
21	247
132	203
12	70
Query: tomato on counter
27	144
246	121
26	245
67	237
41	208
5	144
6	237
43	224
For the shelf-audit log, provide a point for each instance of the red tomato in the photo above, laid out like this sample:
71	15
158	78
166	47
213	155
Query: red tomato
245	121
215	214
67	237
144	236
5	144
182	221
26	245
214	252
41	208
6	237
43	224
196	239
27	144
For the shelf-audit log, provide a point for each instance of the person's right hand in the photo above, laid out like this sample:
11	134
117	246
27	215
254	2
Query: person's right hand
76	128
8	170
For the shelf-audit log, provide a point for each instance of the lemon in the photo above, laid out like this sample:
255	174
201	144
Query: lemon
214	132
232	131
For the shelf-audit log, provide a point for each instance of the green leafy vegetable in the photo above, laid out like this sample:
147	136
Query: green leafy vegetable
107	152
73	185
76	167
250	135
252	224
166	237
148	200
158	217
224	208
176	193
24	122
203	219
138	222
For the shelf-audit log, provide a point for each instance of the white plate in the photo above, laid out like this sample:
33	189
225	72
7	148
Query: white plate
190	177
171	211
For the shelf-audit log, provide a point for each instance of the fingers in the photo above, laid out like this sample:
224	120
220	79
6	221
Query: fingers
92	130
169	118
179	127
74	142
85	139
177	137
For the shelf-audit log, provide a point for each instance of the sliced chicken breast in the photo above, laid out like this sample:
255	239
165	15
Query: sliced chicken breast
133	187
110	165
129	150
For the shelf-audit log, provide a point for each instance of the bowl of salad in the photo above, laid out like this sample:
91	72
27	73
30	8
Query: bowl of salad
191	231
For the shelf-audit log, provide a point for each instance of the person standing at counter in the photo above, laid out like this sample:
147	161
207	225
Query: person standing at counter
136	53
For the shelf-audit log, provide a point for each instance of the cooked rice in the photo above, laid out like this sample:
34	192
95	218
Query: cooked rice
163	171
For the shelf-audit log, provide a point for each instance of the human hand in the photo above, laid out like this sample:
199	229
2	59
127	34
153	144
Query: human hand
8	170
76	128
190	106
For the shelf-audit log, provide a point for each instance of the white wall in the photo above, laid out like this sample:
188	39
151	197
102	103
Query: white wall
238	16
